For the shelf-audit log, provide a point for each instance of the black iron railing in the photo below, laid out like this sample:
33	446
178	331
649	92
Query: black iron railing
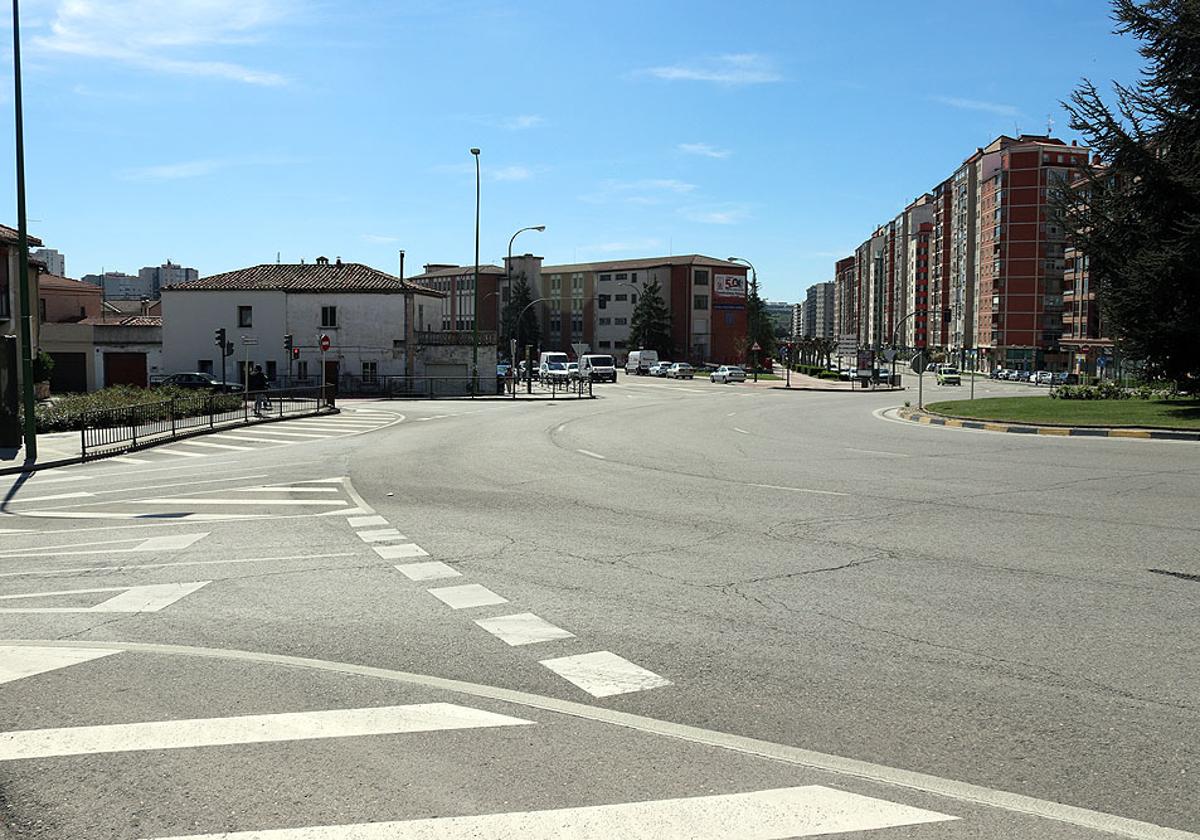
438	387
113	430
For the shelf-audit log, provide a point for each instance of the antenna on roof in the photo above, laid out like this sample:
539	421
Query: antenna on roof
277	255
1049	125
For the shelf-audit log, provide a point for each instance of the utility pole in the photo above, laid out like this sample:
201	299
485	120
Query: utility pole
475	318
27	396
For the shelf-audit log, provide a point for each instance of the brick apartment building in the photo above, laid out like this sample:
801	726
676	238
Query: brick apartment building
979	260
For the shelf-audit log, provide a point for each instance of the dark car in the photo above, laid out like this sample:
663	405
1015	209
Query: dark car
201	382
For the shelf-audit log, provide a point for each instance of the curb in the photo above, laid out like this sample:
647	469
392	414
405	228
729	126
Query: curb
835	390
924	418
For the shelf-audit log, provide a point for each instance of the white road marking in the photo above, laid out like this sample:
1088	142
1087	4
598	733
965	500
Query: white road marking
79	495
381	535
730	414
466	596
248	439
523	629
125	459
283	488
561	428
603	674
429	570
362	521
19	662
246	729
210	445
778	814
132	599
243	501
591	454
178	519
162	450
796	489
43	572
285	434
877	452
399	552
174	542
740	431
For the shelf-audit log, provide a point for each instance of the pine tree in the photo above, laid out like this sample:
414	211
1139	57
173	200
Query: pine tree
650	326
758	327
526	332
1137	215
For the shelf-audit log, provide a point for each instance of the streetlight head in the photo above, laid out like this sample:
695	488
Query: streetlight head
734	259
475	151
540	228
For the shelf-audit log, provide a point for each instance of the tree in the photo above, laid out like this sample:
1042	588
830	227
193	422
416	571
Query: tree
758	326
650	326
1136	216
526	332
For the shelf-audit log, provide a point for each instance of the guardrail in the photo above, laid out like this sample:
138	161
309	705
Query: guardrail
113	430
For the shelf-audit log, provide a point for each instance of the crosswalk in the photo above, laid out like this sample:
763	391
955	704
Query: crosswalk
447	730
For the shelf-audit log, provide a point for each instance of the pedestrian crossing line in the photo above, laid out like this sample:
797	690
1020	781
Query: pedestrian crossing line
523	629
170	543
210	445
247	729
399	552
125	459
363	521
603	674
429	570
466	596
163	450
285	488
130	599
247	438
242	501
18	662
381	535
779	814
303	435
131	566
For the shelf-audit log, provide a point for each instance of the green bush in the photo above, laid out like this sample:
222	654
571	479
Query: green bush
72	411
829	374
43	366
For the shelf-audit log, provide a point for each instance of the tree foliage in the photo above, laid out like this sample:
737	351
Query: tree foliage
519	300
759	326
1137	215
650	326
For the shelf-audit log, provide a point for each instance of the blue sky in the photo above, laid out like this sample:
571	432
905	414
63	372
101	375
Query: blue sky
220	132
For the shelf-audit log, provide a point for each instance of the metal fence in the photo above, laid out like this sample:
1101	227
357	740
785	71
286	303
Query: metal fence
112	430
440	387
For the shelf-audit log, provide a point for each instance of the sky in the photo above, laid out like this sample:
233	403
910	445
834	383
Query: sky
225	133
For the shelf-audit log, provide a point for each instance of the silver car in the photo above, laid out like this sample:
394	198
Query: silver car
727	373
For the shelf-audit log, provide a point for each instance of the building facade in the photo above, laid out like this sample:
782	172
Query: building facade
818	311
845	298
56	263
168	274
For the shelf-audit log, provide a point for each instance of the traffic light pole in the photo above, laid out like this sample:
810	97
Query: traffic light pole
27	396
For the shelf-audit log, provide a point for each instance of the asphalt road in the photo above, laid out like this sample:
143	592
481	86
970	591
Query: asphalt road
680	609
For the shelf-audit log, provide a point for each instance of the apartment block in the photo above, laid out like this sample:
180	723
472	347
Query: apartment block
845	299
819	311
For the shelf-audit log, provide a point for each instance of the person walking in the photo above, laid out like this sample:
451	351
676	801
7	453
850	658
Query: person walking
258	385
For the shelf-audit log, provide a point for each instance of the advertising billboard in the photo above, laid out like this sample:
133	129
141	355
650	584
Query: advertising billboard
729	287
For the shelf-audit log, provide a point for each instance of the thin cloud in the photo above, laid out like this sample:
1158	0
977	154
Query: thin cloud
511	173
379	240
717	214
143	33
646	191
628	246
522	122
997	108
731	69
703	150
181	170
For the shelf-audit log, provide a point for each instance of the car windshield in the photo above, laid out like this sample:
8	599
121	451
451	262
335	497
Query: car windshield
601	361
950	371
556	366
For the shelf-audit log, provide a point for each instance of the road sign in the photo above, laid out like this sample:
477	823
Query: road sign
756	347
919	361
579	349
890	354
847	345
249	339
324	342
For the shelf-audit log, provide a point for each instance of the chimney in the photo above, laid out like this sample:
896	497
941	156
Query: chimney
322	260
339	262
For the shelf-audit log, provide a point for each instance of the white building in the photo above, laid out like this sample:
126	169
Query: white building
154	278
56	263
373	321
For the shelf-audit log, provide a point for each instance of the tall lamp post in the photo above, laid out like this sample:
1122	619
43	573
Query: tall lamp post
26	349
475	319
508	262
750	329
529	367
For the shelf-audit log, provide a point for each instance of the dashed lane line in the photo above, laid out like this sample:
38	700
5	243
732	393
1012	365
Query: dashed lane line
399	552
591	454
429	570
603	673
523	629
381	535
467	596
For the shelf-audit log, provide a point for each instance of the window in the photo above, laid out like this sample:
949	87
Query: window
328	317
621	277
604	322
605	345
618	345
555	283
700	278
245	316
42	310
620	322
700	302
421	316
633	277
577	281
205	366
271	370
369	371
633	298
622	297
602	301
302	369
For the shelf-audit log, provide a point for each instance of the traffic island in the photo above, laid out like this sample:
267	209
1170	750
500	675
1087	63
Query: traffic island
931	417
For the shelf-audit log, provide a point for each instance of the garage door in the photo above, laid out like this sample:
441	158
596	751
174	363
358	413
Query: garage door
70	373
125	369
448	380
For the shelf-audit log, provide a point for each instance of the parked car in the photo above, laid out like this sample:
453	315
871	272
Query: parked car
680	370
554	373
659	368
1043	377
948	375
598	367
201	382
1061	378
573	370
727	373
640	361
931	367
998	373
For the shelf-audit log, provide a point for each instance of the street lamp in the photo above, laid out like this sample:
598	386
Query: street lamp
26	350
749	332
529	367
475	320
508	262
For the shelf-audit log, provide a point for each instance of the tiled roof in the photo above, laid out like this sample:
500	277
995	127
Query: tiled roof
649	262
53	281
10	236
302	279
455	271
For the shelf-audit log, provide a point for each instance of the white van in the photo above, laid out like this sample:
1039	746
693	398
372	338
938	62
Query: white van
640	361
597	367
553	366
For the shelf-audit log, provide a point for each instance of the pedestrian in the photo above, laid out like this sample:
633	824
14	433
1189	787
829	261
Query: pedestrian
258	385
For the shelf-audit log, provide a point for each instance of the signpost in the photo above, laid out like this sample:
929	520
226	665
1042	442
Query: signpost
323	343
847	346
248	341
757	349
918	366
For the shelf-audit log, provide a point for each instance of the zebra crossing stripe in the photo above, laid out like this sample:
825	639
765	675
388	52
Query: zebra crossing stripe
18	661
246	729
806	811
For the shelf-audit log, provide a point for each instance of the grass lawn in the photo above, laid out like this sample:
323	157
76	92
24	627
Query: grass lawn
1175	414
763	376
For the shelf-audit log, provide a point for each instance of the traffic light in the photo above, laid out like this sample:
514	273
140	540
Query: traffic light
228	348
295	353
287	342
219	337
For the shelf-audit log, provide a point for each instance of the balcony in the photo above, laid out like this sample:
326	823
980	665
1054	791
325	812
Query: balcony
455	338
